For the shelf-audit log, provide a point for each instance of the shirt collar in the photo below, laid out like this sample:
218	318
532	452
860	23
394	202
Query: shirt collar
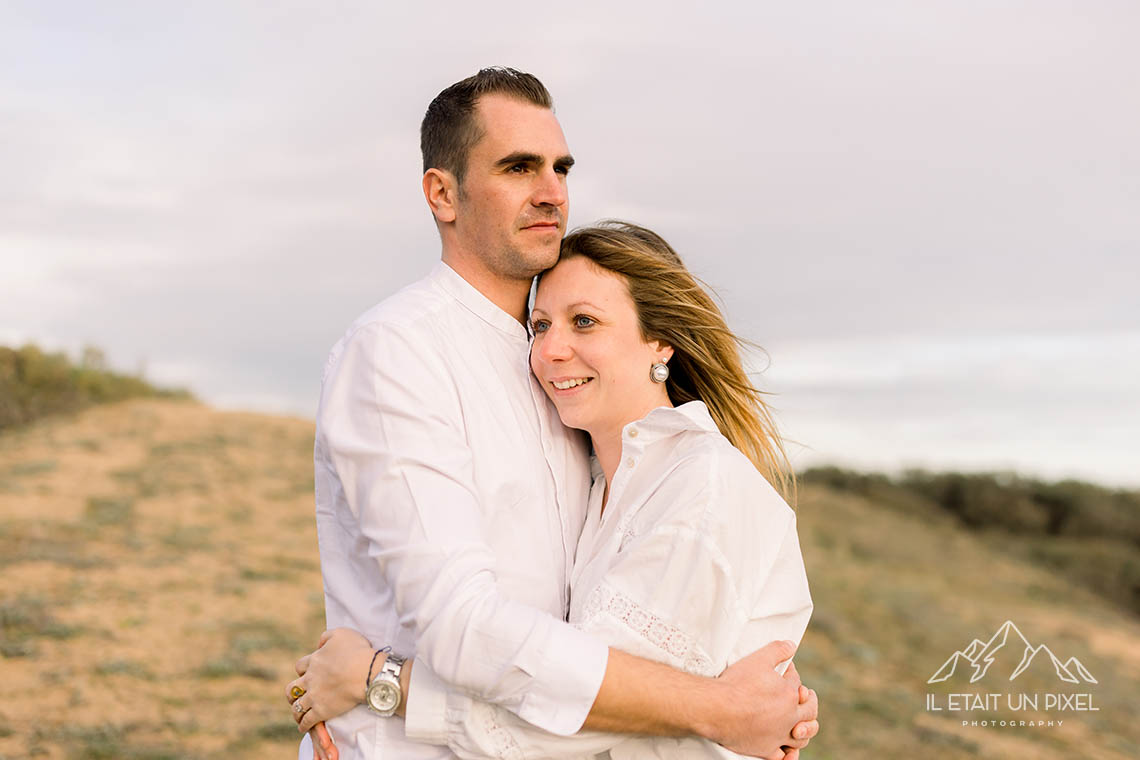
659	424
668	420
475	302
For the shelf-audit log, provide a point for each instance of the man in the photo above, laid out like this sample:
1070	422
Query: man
450	497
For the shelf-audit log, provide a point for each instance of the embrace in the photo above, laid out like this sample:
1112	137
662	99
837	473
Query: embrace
552	531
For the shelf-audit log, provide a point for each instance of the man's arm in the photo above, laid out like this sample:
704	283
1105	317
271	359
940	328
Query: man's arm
647	698
745	708
749	708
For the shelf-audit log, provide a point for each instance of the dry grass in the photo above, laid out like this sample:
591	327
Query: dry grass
897	594
160	576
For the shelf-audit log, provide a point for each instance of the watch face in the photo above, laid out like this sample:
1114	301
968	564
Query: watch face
383	697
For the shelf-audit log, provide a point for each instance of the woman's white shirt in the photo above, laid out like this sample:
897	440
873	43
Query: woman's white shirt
694	562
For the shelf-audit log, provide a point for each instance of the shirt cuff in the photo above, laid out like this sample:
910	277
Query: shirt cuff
569	677
425	719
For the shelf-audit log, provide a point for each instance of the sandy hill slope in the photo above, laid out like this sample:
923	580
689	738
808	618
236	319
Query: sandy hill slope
160	575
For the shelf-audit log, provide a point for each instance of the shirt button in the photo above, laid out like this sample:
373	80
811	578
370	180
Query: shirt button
629	462
633	432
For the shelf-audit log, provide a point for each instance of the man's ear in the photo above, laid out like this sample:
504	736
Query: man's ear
441	191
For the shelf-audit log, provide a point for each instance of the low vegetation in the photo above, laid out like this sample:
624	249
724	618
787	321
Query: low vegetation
35	383
1088	532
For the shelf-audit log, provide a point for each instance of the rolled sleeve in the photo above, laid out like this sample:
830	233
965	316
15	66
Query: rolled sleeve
475	730
425	719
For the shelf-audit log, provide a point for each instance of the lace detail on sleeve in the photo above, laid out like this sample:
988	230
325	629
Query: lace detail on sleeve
503	743
681	648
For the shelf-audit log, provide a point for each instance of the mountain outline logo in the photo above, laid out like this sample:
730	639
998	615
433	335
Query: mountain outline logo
981	656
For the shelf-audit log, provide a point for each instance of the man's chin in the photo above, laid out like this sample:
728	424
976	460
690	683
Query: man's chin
538	260
550	261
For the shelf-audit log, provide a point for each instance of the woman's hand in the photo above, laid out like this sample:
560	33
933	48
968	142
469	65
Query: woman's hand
332	678
323	747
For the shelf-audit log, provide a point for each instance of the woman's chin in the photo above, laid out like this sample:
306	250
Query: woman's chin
571	417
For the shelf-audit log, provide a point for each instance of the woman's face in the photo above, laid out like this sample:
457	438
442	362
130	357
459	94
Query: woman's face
588	352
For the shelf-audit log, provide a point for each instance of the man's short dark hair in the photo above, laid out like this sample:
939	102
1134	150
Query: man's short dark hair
450	129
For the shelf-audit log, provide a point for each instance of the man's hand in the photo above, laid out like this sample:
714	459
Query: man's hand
333	677
759	708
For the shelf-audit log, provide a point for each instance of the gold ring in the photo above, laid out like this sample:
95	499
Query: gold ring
297	692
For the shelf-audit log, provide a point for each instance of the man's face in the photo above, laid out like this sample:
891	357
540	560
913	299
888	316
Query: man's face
512	206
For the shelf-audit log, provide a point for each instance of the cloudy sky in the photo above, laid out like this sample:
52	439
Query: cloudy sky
928	213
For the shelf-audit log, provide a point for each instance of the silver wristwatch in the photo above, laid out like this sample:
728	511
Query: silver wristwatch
383	695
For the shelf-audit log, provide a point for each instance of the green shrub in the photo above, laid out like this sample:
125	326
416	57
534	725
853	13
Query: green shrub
1088	532
34	384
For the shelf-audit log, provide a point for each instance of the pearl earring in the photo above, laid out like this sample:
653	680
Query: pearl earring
659	372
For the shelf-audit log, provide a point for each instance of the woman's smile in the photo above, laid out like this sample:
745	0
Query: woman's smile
566	385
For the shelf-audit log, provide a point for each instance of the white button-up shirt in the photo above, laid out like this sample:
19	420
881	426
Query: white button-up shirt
695	563
449	502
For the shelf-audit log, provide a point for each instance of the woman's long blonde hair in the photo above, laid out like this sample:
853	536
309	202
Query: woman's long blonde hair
706	364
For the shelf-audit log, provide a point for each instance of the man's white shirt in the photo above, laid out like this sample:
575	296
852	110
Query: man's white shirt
450	499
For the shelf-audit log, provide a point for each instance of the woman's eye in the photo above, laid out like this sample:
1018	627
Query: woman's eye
582	321
539	327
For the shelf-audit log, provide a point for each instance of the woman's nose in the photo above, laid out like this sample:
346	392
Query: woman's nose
553	345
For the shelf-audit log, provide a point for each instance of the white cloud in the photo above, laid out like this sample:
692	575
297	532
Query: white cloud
218	188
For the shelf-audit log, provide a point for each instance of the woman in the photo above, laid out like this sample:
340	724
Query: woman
688	556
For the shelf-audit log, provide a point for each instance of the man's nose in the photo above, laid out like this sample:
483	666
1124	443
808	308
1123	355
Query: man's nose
551	189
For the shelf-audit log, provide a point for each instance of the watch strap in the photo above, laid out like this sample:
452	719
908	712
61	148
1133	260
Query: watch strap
393	665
